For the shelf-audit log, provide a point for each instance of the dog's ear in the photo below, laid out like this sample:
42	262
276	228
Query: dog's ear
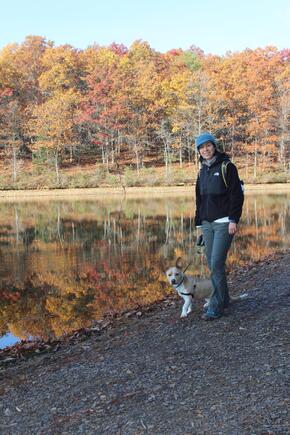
178	263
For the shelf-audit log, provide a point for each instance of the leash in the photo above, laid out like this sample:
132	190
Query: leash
181	282
178	285
189	264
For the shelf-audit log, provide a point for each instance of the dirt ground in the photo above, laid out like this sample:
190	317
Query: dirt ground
150	372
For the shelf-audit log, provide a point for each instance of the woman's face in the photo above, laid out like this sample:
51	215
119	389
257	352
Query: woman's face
207	150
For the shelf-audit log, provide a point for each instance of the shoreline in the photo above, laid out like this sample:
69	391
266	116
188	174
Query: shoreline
130	191
158	374
30	348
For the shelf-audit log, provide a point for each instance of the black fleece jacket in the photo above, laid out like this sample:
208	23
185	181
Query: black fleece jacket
215	200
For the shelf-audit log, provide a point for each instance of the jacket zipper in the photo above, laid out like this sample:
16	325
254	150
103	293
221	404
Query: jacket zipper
207	196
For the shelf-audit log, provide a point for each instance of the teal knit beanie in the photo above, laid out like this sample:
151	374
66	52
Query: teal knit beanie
204	137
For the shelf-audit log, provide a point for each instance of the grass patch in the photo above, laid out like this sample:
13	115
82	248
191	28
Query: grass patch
37	177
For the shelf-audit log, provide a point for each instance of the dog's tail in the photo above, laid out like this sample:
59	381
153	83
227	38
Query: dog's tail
239	297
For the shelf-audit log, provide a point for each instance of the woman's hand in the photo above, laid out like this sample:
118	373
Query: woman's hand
199	237
233	228
198	232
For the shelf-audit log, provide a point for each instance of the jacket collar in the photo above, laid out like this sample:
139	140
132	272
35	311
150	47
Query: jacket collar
218	158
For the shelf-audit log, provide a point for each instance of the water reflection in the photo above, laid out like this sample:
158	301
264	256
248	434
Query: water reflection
63	264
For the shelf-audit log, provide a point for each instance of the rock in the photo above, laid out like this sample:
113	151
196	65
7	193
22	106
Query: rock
8	412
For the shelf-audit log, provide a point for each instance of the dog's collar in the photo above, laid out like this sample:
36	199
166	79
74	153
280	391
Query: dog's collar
185	294
178	285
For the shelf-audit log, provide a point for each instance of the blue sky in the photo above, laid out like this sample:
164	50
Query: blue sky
216	26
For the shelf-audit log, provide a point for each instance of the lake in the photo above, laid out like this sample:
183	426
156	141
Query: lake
68	262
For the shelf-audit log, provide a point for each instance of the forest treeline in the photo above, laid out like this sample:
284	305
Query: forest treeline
135	106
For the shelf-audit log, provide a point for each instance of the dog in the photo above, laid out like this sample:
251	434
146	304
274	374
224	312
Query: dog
189	288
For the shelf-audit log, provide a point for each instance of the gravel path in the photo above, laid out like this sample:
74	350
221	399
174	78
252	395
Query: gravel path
157	374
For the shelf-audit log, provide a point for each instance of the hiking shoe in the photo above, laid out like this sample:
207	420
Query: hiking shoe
210	316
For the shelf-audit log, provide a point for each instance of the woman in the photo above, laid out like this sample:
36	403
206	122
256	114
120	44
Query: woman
219	202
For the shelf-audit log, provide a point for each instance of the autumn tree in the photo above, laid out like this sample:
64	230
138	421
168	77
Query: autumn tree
136	105
227	94
282	87
184	92
53	124
103	112
20	68
63	79
140	72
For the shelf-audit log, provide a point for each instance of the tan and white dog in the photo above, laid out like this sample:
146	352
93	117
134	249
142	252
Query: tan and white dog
189	288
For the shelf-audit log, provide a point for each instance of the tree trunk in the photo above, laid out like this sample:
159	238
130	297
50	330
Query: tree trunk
70	153
103	155
167	157
14	164
189	149
166	160
232	143
112	152
119	143
196	159
137	158
107	155
56	167
107	163
255	160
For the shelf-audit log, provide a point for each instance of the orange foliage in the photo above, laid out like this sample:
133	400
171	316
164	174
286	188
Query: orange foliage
116	100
